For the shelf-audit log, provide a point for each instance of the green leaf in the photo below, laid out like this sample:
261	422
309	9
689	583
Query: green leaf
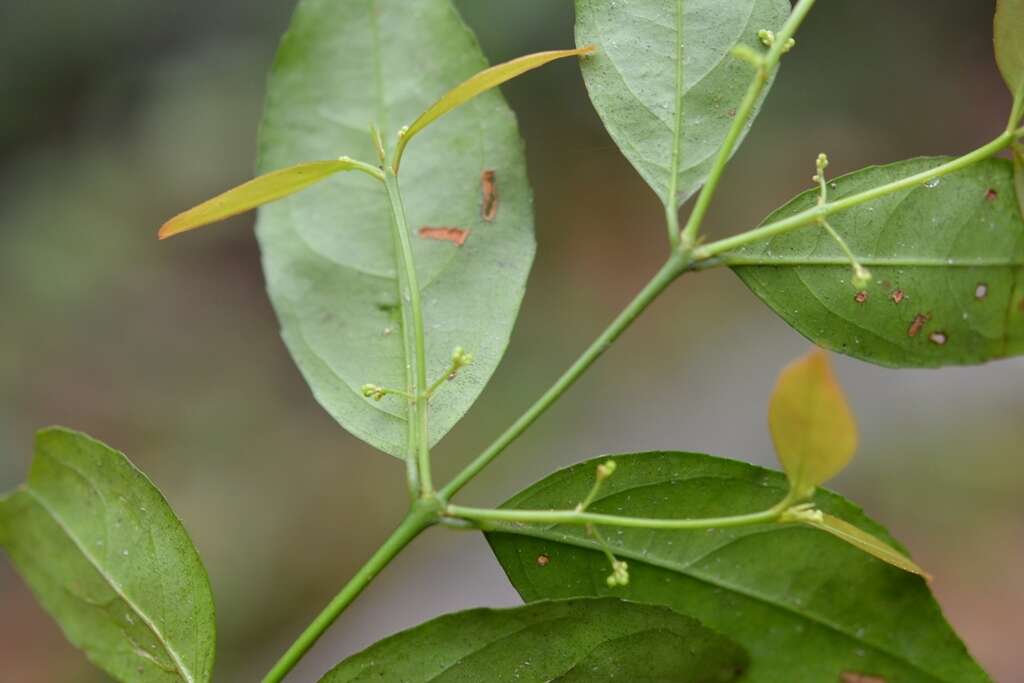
573	640
813	429
805	605
328	254
107	558
257	192
1009	42
1018	175
646	49
946	261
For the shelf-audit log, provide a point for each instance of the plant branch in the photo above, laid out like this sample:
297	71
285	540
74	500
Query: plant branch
418	519
815	214
673	268
743	114
487	517
418	447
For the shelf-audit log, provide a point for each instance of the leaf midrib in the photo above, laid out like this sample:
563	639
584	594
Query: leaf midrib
111	581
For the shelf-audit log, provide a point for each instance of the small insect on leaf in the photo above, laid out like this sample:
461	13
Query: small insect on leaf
479	83
262	190
814	432
456	236
489	193
866	542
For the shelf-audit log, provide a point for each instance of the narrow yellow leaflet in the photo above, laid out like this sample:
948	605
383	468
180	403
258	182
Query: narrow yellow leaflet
868	543
482	82
814	431
262	190
1009	42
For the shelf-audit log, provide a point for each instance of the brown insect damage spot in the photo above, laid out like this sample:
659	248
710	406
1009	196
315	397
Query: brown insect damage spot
919	322
896	296
731	113
489	190
981	291
938	338
456	236
991	194
860	297
543	560
854	677
1020	306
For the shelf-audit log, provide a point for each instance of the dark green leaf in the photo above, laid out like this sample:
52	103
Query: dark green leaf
1009	42
107	558
573	640
946	260
328	253
804	604
632	79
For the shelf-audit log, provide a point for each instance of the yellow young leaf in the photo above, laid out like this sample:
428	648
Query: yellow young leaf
868	543
814	432
262	190
1009	42
479	83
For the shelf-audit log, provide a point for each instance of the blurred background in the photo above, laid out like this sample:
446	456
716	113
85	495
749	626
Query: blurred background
116	114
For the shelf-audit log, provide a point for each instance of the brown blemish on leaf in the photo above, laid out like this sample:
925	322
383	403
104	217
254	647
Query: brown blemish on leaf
919	321
896	296
1020	306
991	195
854	677
731	113
981	291
860	297
489	189
456	236
542	560
938	338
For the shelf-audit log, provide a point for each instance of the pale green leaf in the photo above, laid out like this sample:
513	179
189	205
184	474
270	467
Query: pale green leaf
867	542
257	192
107	558
328	254
805	605
565	641
482	82
664	82
813	429
1009	42
946	260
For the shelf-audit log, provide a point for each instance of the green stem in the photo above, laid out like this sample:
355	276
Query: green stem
418	447
739	122
581	517
418	519
815	214
673	268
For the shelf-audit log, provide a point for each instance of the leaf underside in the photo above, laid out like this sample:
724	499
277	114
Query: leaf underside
565	641
632	78
946	261
805	605
328	255
107	558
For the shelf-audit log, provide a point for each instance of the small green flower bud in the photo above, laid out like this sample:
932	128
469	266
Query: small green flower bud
766	37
